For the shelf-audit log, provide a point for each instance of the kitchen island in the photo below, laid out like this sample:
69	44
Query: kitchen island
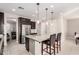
1	44
33	43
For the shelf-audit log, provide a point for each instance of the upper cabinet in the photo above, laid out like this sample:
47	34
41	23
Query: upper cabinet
27	22
24	21
33	25
21	21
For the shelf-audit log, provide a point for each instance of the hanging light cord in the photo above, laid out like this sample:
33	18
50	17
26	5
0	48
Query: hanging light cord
46	13
51	15
38	10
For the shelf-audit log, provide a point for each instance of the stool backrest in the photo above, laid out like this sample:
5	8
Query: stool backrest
52	39
75	33
59	36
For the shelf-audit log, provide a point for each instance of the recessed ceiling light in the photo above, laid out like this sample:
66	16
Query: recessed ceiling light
52	6
13	9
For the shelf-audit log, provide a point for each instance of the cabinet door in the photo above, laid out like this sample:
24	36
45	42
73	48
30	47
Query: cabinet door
22	21
1	23
27	44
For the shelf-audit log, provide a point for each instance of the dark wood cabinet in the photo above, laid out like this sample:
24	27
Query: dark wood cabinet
24	21
1	31
27	44
21	21
1	23
33	25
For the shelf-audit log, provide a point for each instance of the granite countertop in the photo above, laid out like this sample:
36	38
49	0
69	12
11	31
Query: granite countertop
38	38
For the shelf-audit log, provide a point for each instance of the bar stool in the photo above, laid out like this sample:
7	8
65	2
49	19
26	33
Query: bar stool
50	43
58	42
76	37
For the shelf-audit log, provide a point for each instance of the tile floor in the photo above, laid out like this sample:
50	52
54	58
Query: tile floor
13	48
68	48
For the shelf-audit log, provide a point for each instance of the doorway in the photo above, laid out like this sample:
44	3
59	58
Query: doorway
11	30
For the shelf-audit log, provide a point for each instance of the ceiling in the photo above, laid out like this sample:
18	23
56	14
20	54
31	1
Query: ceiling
11	22
30	8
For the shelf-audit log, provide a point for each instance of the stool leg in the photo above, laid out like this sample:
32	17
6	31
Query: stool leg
47	47
60	45
42	48
50	49
57	46
54	49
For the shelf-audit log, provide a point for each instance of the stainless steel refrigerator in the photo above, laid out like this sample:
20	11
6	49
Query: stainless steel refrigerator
26	29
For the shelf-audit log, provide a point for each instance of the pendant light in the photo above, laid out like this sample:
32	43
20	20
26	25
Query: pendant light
46	13
46	21
52	8
38	22
37	12
46	16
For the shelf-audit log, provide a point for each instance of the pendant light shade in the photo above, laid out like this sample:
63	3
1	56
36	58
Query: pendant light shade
38	3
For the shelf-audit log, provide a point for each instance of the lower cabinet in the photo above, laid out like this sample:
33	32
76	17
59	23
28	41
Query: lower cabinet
27	44
32	46
2	48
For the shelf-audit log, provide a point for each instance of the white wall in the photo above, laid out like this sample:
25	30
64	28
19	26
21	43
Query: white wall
59	25
62	27
43	28
48	27
11	27
8	28
72	27
71	22
53	26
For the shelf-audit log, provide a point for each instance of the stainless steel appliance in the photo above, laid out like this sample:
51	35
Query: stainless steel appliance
26	29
